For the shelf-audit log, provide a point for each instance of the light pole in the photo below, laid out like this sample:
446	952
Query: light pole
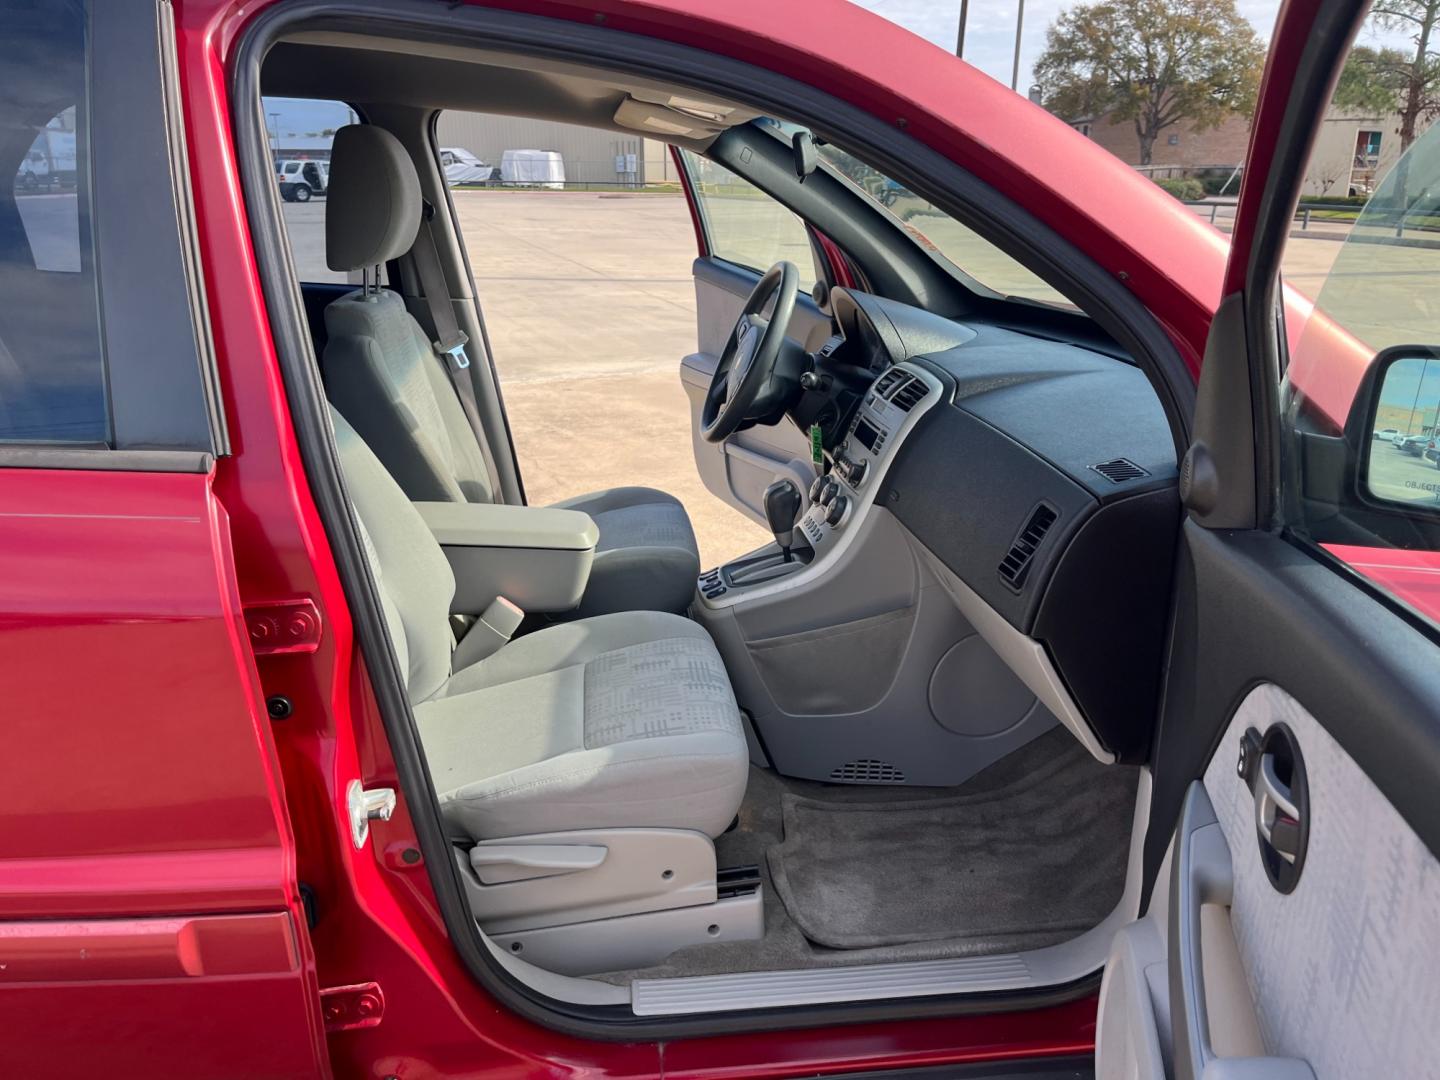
274	133
964	17
1019	26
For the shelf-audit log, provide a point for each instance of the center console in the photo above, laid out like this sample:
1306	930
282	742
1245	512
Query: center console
839	499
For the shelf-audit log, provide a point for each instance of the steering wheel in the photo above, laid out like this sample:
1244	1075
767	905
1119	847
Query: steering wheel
747	362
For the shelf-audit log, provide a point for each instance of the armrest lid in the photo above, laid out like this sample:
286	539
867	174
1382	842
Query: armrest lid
484	525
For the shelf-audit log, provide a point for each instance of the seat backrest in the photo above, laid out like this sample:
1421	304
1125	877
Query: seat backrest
380	369
415	579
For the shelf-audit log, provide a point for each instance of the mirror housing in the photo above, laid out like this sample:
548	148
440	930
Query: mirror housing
1329	497
1392	432
807	157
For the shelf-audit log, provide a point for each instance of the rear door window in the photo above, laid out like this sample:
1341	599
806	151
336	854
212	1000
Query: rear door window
104	330
52	378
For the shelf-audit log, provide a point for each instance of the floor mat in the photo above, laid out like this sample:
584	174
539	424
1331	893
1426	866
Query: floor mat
1025	864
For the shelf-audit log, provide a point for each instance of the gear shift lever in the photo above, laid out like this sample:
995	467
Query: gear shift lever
782	507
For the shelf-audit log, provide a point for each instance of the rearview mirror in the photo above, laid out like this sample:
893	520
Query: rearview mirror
1401	447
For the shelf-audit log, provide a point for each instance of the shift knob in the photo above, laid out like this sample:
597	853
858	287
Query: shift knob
782	507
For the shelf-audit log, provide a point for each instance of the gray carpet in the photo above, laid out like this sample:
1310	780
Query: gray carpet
1034	861
785	947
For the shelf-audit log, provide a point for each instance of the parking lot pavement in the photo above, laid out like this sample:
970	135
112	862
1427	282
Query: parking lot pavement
1407	478
589	303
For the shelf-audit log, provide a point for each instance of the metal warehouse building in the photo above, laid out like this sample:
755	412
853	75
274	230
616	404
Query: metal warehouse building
591	156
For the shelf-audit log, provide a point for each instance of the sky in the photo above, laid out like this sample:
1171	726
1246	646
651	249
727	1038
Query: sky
989	44
990	33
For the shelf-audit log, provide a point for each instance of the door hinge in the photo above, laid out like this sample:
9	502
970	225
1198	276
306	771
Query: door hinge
283	626
359	1005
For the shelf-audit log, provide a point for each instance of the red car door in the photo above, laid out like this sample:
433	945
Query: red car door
1293	834
150	921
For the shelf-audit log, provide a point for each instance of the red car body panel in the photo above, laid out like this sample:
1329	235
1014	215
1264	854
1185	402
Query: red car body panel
142	799
213	814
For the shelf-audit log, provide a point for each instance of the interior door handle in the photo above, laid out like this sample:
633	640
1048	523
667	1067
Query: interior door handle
1276	815
1274	769
1202	873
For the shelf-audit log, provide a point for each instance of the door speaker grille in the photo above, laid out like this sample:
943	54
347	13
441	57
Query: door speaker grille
867	771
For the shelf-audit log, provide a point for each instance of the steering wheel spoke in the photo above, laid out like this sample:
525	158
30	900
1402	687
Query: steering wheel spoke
747	363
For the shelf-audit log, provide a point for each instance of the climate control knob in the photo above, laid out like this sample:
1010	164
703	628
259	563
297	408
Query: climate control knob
829	492
816	488
836	511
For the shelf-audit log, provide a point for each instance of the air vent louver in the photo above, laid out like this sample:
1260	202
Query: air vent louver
886	382
909	395
1016	565
867	771
1118	470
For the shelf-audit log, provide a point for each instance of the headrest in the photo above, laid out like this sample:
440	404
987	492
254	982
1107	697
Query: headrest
372	209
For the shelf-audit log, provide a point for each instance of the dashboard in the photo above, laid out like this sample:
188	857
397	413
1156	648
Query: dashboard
1041	473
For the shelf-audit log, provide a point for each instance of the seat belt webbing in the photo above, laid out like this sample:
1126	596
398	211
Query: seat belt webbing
450	340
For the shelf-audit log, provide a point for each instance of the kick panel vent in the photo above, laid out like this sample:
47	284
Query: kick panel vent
867	771
909	394
1015	567
1118	470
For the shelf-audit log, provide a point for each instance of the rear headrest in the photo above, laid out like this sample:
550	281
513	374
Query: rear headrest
372	209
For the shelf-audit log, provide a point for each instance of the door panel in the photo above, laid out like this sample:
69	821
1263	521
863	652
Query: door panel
744	465
1361	915
1299	740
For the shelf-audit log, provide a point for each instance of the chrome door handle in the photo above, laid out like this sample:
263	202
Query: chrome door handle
1276	815
1282	806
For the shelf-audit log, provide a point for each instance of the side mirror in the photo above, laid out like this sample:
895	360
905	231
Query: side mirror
807	157
1397	442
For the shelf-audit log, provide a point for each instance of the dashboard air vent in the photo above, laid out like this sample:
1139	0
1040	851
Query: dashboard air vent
867	771
909	394
886	382
1015	567
1118	470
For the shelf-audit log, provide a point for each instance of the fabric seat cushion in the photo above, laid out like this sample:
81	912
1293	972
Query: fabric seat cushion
647	557
623	720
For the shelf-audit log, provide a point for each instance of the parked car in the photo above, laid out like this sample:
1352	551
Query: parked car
463	167
1387	434
1414	445
299	180
1089	683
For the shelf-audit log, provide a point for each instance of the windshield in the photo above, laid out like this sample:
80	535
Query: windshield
948	241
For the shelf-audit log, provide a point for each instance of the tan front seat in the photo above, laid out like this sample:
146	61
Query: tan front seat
620	721
386	378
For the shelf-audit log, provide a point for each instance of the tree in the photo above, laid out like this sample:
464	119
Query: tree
1389	80
1153	62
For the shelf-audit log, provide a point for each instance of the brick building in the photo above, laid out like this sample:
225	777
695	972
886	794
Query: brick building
1178	149
1352	149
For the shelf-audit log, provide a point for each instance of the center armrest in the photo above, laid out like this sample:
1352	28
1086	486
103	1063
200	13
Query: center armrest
537	557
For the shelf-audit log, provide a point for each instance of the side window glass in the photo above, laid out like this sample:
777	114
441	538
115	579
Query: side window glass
744	225
302	131
52	381
1362	265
